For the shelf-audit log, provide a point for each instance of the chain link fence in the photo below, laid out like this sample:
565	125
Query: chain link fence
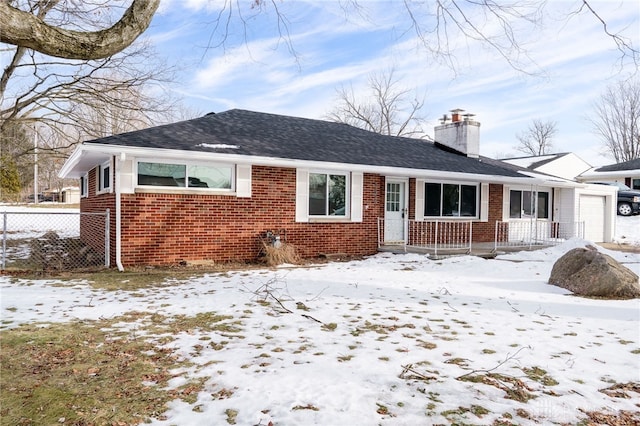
54	241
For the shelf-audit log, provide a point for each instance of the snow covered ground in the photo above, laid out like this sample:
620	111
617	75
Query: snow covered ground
396	333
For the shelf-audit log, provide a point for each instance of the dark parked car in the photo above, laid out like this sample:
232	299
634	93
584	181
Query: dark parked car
628	199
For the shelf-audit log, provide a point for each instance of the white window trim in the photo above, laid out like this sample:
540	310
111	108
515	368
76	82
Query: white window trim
421	199
240	179
101	188
506	203
354	197
347	195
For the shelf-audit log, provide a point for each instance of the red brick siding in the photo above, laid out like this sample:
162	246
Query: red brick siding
90	233
168	228
484	232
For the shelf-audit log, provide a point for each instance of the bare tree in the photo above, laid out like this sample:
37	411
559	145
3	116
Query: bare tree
616	120
499	25
538	138
387	109
67	101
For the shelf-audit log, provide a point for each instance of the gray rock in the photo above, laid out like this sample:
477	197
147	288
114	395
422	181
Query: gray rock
587	272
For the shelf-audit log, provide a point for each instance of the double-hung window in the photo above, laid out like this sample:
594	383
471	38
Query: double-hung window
528	204
450	200
328	194
209	176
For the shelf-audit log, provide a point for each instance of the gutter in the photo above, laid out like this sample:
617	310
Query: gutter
118	162
159	153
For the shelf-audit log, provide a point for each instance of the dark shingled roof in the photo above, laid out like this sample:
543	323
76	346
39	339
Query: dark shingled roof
277	136
627	165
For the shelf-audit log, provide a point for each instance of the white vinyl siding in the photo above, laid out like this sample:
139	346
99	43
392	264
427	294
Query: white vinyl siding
243	181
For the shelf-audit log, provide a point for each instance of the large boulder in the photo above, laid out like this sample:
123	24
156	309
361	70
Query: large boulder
587	272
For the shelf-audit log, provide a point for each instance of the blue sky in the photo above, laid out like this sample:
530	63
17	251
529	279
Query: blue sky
569	63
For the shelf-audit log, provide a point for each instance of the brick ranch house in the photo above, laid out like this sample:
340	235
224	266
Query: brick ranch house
207	189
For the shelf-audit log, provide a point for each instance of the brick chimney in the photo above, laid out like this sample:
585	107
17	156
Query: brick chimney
462	133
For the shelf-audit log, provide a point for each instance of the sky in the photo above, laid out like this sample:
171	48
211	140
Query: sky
295	66
442	318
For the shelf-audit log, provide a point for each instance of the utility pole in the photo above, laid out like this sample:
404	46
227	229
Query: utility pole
35	165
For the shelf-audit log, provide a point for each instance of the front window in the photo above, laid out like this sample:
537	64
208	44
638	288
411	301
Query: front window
327	194
450	200
528	204
185	175
635	183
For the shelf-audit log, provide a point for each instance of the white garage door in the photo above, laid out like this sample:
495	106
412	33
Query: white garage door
592	213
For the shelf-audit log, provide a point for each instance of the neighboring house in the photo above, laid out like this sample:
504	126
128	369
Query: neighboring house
566	165
209	188
70	195
627	173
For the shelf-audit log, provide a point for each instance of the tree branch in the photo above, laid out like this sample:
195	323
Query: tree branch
24	29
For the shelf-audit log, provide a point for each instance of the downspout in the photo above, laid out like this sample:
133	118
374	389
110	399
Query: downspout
119	160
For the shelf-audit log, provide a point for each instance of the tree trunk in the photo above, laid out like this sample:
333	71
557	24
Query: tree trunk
24	29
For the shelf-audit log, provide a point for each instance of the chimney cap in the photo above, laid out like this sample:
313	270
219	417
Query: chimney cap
456	110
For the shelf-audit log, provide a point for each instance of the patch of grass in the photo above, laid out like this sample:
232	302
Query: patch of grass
231	416
330	326
539	375
636	351
306	407
488	351
458	361
344	358
426	345
218	346
86	374
223	393
513	387
382	409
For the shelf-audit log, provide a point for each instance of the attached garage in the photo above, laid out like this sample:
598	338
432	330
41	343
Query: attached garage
592	211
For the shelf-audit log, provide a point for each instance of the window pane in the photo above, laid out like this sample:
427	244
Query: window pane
543	205
210	177
393	197
515	204
317	194
106	178
635	184
468	200
528	208
432	199
159	174
450	200
337	195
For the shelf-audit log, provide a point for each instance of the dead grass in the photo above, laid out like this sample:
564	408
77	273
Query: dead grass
284	253
88	373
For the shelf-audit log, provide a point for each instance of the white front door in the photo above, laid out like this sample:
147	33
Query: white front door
395	212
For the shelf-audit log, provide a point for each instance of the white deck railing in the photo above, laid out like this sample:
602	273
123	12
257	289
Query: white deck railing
456	236
431	235
535	233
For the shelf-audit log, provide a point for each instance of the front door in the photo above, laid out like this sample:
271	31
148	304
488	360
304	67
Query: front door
395	213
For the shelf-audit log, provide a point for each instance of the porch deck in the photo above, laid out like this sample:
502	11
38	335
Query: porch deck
451	237
485	250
